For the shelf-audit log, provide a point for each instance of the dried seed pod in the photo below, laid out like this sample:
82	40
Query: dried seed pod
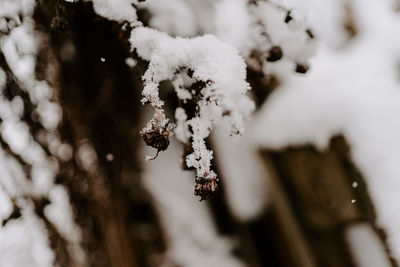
302	68
157	139
157	132
206	188
274	54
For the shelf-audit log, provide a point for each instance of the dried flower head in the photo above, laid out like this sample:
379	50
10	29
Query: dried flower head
157	132
206	188
157	139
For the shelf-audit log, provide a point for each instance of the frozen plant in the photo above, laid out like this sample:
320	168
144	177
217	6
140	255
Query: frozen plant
205	72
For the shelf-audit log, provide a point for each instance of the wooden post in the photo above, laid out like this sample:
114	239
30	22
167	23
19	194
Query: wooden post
318	195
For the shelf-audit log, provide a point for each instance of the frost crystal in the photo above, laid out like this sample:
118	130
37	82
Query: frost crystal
203	70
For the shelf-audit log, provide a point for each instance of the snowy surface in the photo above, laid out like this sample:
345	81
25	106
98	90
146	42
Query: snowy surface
355	91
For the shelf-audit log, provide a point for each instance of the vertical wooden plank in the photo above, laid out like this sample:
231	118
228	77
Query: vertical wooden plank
320	199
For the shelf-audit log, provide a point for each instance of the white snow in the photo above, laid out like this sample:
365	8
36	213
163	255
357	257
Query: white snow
130	62
244	174
175	17
24	243
182	129
118	10
233	24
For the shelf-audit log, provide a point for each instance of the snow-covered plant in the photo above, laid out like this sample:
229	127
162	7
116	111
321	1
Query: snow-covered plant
206	72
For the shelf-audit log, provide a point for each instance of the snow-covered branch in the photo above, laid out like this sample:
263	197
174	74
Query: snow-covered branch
204	70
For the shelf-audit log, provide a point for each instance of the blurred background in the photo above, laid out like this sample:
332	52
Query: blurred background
312	182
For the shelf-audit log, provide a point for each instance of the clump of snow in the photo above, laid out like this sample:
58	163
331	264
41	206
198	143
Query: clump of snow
175	17
130	62
327	21
296	44
11	8
59	212
203	12
243	172
182	132
118	10
24	242
233	24
86	156
220	95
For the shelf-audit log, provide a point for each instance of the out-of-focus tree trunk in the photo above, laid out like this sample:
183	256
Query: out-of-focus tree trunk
99	95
